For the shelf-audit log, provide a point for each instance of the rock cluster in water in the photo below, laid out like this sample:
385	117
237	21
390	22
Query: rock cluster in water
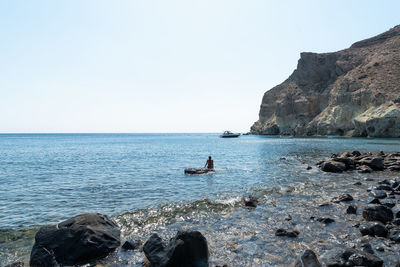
352	92
363	163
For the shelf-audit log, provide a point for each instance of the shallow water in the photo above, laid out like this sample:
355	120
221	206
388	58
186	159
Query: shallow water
139	180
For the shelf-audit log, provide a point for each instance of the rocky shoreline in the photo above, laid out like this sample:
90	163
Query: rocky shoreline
357	224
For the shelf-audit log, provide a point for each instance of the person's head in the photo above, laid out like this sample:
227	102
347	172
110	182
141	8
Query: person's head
209	157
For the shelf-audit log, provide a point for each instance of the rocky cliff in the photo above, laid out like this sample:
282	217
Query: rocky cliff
353	92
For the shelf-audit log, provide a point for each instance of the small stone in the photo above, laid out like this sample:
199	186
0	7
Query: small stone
351	210
251	202
357	183
342	198
309	167
325	220
379	248
284	232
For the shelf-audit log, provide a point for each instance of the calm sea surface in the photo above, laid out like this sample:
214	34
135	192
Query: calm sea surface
46	178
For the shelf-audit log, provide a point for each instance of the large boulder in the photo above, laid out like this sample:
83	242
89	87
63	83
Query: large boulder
378	213
78	240
186	249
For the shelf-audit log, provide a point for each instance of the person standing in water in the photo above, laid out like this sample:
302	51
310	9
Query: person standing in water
209	163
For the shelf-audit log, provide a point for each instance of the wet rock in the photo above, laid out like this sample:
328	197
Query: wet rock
15	264
342	198
380	248
356	153
78	240
375	163
384	187
378	194
309	167
130	245
186	249
375	201
351	210
373	229
325	220
364	169
395	235
357	183
333	166
385	181
352	257
288	233
366	247
378	213
251	202
308	259
389	203
396	221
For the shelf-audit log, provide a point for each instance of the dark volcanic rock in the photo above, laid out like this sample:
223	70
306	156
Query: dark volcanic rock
375	163
251	202
333	166
351	210
342	198
78	240
308	259
373	229
384	187
186	249
130	245
351	257
378	213
288	233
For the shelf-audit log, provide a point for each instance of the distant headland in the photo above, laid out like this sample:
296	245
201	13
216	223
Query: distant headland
354	92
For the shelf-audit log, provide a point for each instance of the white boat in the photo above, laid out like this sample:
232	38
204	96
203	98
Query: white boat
228	134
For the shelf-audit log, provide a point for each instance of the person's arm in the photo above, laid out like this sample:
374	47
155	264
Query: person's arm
205	164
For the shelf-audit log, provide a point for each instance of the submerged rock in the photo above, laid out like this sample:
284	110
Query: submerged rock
288	233
186	249
325	220
342	198
78	240
378	194
308	259
251	202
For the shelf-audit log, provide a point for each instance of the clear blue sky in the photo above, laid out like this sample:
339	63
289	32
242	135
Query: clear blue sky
162	66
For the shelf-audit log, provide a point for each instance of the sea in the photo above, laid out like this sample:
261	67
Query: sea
139	181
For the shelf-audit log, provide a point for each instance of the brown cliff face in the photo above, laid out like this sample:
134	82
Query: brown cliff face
353	92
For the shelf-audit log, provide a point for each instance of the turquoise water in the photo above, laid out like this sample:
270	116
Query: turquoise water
46	178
